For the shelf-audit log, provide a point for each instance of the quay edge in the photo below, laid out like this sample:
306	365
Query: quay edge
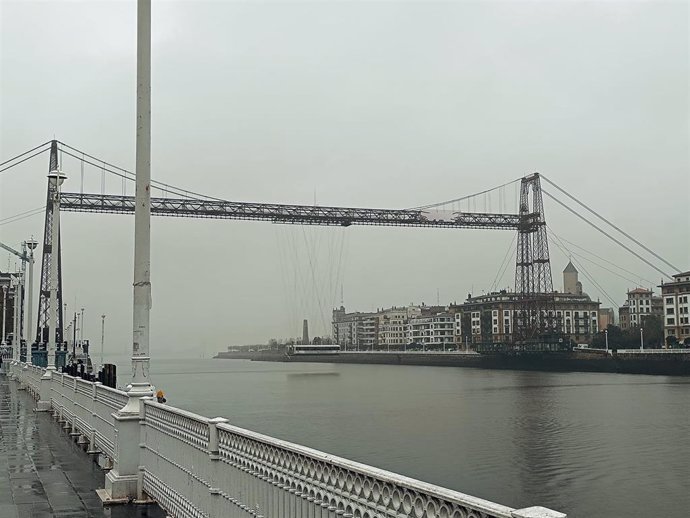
676	364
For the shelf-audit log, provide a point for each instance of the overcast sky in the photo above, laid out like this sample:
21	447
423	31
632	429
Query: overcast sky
381	104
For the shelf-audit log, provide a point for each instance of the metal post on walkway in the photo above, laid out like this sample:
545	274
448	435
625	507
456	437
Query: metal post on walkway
123	480
16	307
29	336
20	306
141	385
641	339
4	312
102	337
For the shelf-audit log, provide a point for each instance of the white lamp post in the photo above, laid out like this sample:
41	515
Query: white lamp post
641	339
102	337
4	312
606	337
31	245
81	328
16	306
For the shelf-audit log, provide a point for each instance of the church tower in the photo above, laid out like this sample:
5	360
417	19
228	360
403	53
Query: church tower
570	282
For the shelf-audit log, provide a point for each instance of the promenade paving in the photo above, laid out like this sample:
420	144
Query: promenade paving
43	473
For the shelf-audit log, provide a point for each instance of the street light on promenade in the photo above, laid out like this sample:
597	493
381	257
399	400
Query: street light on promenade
31	245
606	337
641	339
102	337
4	312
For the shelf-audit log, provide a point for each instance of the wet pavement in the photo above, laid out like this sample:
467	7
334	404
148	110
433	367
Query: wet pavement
43	473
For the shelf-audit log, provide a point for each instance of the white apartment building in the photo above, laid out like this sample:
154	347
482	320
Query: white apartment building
393	326
433	331
639	305
676	300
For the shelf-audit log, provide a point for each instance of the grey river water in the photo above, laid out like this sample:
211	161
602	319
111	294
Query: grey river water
590	445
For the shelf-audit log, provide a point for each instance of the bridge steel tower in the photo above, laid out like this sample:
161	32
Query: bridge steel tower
537	325
43	326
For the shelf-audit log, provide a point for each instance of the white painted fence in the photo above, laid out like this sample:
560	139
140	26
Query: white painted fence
198	467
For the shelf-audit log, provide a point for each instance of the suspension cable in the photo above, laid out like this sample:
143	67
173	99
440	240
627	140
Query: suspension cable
126	175
22	215
21	161
614	226
607	234
634	281
24	153
602	258
504	265
585	272
432	205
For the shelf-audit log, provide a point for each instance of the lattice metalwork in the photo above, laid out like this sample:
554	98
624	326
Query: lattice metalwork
42	324
295	214
536	311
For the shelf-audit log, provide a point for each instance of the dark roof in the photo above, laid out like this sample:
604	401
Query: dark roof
684	274
570	268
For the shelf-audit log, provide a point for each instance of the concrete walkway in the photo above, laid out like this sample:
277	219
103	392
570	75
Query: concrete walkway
43	474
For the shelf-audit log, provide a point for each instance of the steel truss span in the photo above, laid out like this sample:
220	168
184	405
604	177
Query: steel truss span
293	214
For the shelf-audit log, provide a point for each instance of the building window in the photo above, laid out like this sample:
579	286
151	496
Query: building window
670	321
669	311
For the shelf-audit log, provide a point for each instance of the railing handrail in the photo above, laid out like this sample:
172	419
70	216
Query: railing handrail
188	444
178	411
111	389
386	476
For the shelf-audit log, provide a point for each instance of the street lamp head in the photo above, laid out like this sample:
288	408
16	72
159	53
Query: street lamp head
32	243
56	177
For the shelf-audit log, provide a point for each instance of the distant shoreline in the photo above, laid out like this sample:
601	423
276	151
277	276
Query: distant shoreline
677	364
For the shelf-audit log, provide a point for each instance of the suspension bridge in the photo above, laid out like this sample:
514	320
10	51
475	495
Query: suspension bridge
537	324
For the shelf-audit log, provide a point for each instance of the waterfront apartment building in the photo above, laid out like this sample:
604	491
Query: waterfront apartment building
432	330
492	316
346	328
676	307
640	304
383	329
488	318
393	326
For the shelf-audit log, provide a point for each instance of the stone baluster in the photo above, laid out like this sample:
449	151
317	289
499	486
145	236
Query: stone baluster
217	500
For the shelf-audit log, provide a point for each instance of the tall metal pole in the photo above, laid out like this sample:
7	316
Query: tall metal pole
4	312
141	385
641	339
606	336
32	243
102	336
15	317
81	328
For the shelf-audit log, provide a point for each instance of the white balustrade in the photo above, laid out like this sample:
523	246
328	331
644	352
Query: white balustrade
196	467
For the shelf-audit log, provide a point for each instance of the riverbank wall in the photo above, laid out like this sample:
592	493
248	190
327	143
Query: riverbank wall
671	364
